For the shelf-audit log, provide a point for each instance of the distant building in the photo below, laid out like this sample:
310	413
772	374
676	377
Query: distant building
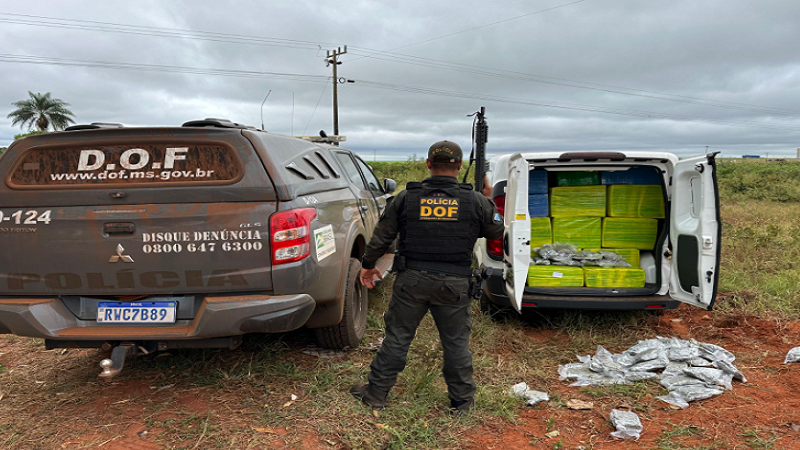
751	156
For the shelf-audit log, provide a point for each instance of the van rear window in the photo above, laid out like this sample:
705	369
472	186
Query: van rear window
126	165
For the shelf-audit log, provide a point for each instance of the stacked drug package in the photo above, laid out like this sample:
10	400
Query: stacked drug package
596	223
577	203
635	203
539	209
577	209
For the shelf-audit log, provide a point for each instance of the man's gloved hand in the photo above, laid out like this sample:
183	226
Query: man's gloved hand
368	277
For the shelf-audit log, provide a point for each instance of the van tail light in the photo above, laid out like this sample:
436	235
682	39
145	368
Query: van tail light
290	234
495	246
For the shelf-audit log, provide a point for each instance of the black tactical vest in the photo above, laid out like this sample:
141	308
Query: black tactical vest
440	224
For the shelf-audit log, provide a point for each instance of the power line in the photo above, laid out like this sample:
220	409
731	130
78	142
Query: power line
570	106
24	59
499	73
324	88
485	26
53	22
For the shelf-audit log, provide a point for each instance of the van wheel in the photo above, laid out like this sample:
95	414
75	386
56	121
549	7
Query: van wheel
495	312
348	333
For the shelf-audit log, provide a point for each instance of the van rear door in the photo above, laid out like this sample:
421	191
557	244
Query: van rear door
695	231
517	235
135	212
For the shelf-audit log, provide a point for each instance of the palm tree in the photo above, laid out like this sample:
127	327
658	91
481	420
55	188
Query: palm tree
41	111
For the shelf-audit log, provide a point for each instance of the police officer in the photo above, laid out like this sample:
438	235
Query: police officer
438	221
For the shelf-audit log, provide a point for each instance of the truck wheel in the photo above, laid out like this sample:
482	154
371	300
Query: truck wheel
348	333
495	312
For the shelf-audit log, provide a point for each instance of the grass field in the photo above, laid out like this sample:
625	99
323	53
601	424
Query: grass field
242	399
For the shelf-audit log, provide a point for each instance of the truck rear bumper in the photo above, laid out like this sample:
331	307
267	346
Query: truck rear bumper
495	291
219	316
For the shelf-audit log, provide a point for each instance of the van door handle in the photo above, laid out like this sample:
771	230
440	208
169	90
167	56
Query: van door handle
119	228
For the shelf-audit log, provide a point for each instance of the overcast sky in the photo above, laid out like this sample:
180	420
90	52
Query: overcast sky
675	75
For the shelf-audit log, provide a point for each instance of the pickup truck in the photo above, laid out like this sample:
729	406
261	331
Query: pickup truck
546	197
146	239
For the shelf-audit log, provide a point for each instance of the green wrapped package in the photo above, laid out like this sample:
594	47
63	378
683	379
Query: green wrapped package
624	232
630	255
582	178
555	276
582	232
578	201
541	232
631	200
614	277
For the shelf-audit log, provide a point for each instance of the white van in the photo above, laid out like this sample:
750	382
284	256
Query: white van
679	261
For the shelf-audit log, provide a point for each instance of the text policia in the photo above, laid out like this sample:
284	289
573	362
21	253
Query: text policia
438	208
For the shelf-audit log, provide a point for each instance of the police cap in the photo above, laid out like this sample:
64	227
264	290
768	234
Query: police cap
445	151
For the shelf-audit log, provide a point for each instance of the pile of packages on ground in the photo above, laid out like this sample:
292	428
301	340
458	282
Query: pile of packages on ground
690	370
594	225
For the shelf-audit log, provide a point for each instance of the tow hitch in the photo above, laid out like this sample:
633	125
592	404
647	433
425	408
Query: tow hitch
113	366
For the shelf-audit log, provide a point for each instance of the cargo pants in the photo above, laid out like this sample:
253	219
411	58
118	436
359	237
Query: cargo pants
414	293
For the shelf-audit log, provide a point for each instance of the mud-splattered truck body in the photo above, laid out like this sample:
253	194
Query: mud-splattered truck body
182	237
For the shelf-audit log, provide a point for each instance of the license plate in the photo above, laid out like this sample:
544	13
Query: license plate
136	312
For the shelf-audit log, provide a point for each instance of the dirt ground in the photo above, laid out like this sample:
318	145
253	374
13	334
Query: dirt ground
762	413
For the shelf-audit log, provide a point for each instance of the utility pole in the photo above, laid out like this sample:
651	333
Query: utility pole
331	58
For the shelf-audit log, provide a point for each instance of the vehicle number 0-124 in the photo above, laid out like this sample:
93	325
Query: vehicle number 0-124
30	217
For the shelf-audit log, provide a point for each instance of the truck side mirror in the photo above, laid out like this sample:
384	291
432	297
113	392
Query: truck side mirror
389	185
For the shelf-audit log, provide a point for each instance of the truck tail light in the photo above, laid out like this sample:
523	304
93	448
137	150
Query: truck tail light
290	234
495	246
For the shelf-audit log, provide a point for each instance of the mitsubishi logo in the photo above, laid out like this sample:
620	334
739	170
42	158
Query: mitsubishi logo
119	255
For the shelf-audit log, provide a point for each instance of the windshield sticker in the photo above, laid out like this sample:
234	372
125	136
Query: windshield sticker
125	165
438	208
324	242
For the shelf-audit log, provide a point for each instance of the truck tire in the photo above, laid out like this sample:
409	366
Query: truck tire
348	332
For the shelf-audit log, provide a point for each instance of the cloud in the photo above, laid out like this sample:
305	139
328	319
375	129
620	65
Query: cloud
674	76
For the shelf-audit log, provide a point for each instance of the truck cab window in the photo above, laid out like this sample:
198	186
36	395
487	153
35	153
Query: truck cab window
372	180
350	169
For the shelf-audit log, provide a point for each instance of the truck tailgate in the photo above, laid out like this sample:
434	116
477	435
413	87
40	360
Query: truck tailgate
134	213
137	249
